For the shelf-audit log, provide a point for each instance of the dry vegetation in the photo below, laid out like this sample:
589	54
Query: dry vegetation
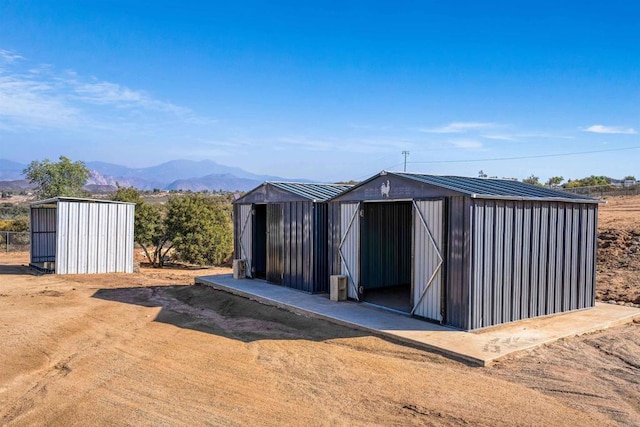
150	349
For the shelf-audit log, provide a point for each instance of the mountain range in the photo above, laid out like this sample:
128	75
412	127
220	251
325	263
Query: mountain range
173	175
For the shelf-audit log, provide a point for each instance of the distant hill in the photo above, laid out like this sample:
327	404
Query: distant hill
227	182
172	175
11	170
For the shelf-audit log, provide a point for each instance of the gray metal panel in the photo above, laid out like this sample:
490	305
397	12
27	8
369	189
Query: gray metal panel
428	260
349	247
299	243
321	260
541	253
245	235
392	187
43	234
458	266
275	243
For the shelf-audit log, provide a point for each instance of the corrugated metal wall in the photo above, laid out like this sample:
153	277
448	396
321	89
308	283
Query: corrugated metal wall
349	246
458	262
298	244
275	243
43	234
428	244
94	238
296	247
529	259
321	260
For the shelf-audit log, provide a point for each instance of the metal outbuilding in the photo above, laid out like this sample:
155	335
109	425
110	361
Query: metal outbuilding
79	236
466	252
280	230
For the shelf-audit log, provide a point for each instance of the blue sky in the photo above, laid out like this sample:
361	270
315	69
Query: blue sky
326	90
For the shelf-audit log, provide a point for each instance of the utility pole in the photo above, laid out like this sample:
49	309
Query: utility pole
405	154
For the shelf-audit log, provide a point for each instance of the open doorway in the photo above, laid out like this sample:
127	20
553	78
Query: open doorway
385	254
259	255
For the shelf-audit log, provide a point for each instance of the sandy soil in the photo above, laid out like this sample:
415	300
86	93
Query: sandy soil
151	349
619	250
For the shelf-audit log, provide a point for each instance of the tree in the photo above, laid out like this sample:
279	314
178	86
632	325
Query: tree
149	230
554	181
19	224
200	228
590	181
64	178
629	178
481	174
532	180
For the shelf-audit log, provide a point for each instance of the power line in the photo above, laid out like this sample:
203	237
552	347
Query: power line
528	157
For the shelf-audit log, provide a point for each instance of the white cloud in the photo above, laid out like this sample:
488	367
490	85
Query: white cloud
515	137
468	144
8	56
501	137
28	102
37	96
611	130
460	127
106	93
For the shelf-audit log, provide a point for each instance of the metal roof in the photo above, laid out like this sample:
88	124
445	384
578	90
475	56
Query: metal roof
75	199
492	188
314	192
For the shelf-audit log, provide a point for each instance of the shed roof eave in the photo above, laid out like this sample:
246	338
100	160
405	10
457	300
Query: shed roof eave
537	199
55	200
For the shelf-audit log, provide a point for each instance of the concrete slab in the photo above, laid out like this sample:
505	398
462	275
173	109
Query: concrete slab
479	348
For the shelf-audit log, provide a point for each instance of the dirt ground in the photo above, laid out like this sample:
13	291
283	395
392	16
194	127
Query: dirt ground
152	349
619	250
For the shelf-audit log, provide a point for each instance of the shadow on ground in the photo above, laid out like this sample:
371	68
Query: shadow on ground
204	309
18	269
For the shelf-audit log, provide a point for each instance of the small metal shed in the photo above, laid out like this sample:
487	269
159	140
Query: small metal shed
80	236
280	230
466	252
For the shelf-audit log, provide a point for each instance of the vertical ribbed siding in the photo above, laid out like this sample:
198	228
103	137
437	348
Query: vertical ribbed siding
43	234
458	265
299	246
320	274
245	235
428	258
530	259
94	238
349	247
275	243
333	237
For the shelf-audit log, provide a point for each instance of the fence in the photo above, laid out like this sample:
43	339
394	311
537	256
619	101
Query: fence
14	241
604	190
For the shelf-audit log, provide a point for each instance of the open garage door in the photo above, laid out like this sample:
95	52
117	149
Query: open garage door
427	261
349	248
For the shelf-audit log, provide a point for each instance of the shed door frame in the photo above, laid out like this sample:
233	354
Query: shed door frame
245	237
428	261
349	248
